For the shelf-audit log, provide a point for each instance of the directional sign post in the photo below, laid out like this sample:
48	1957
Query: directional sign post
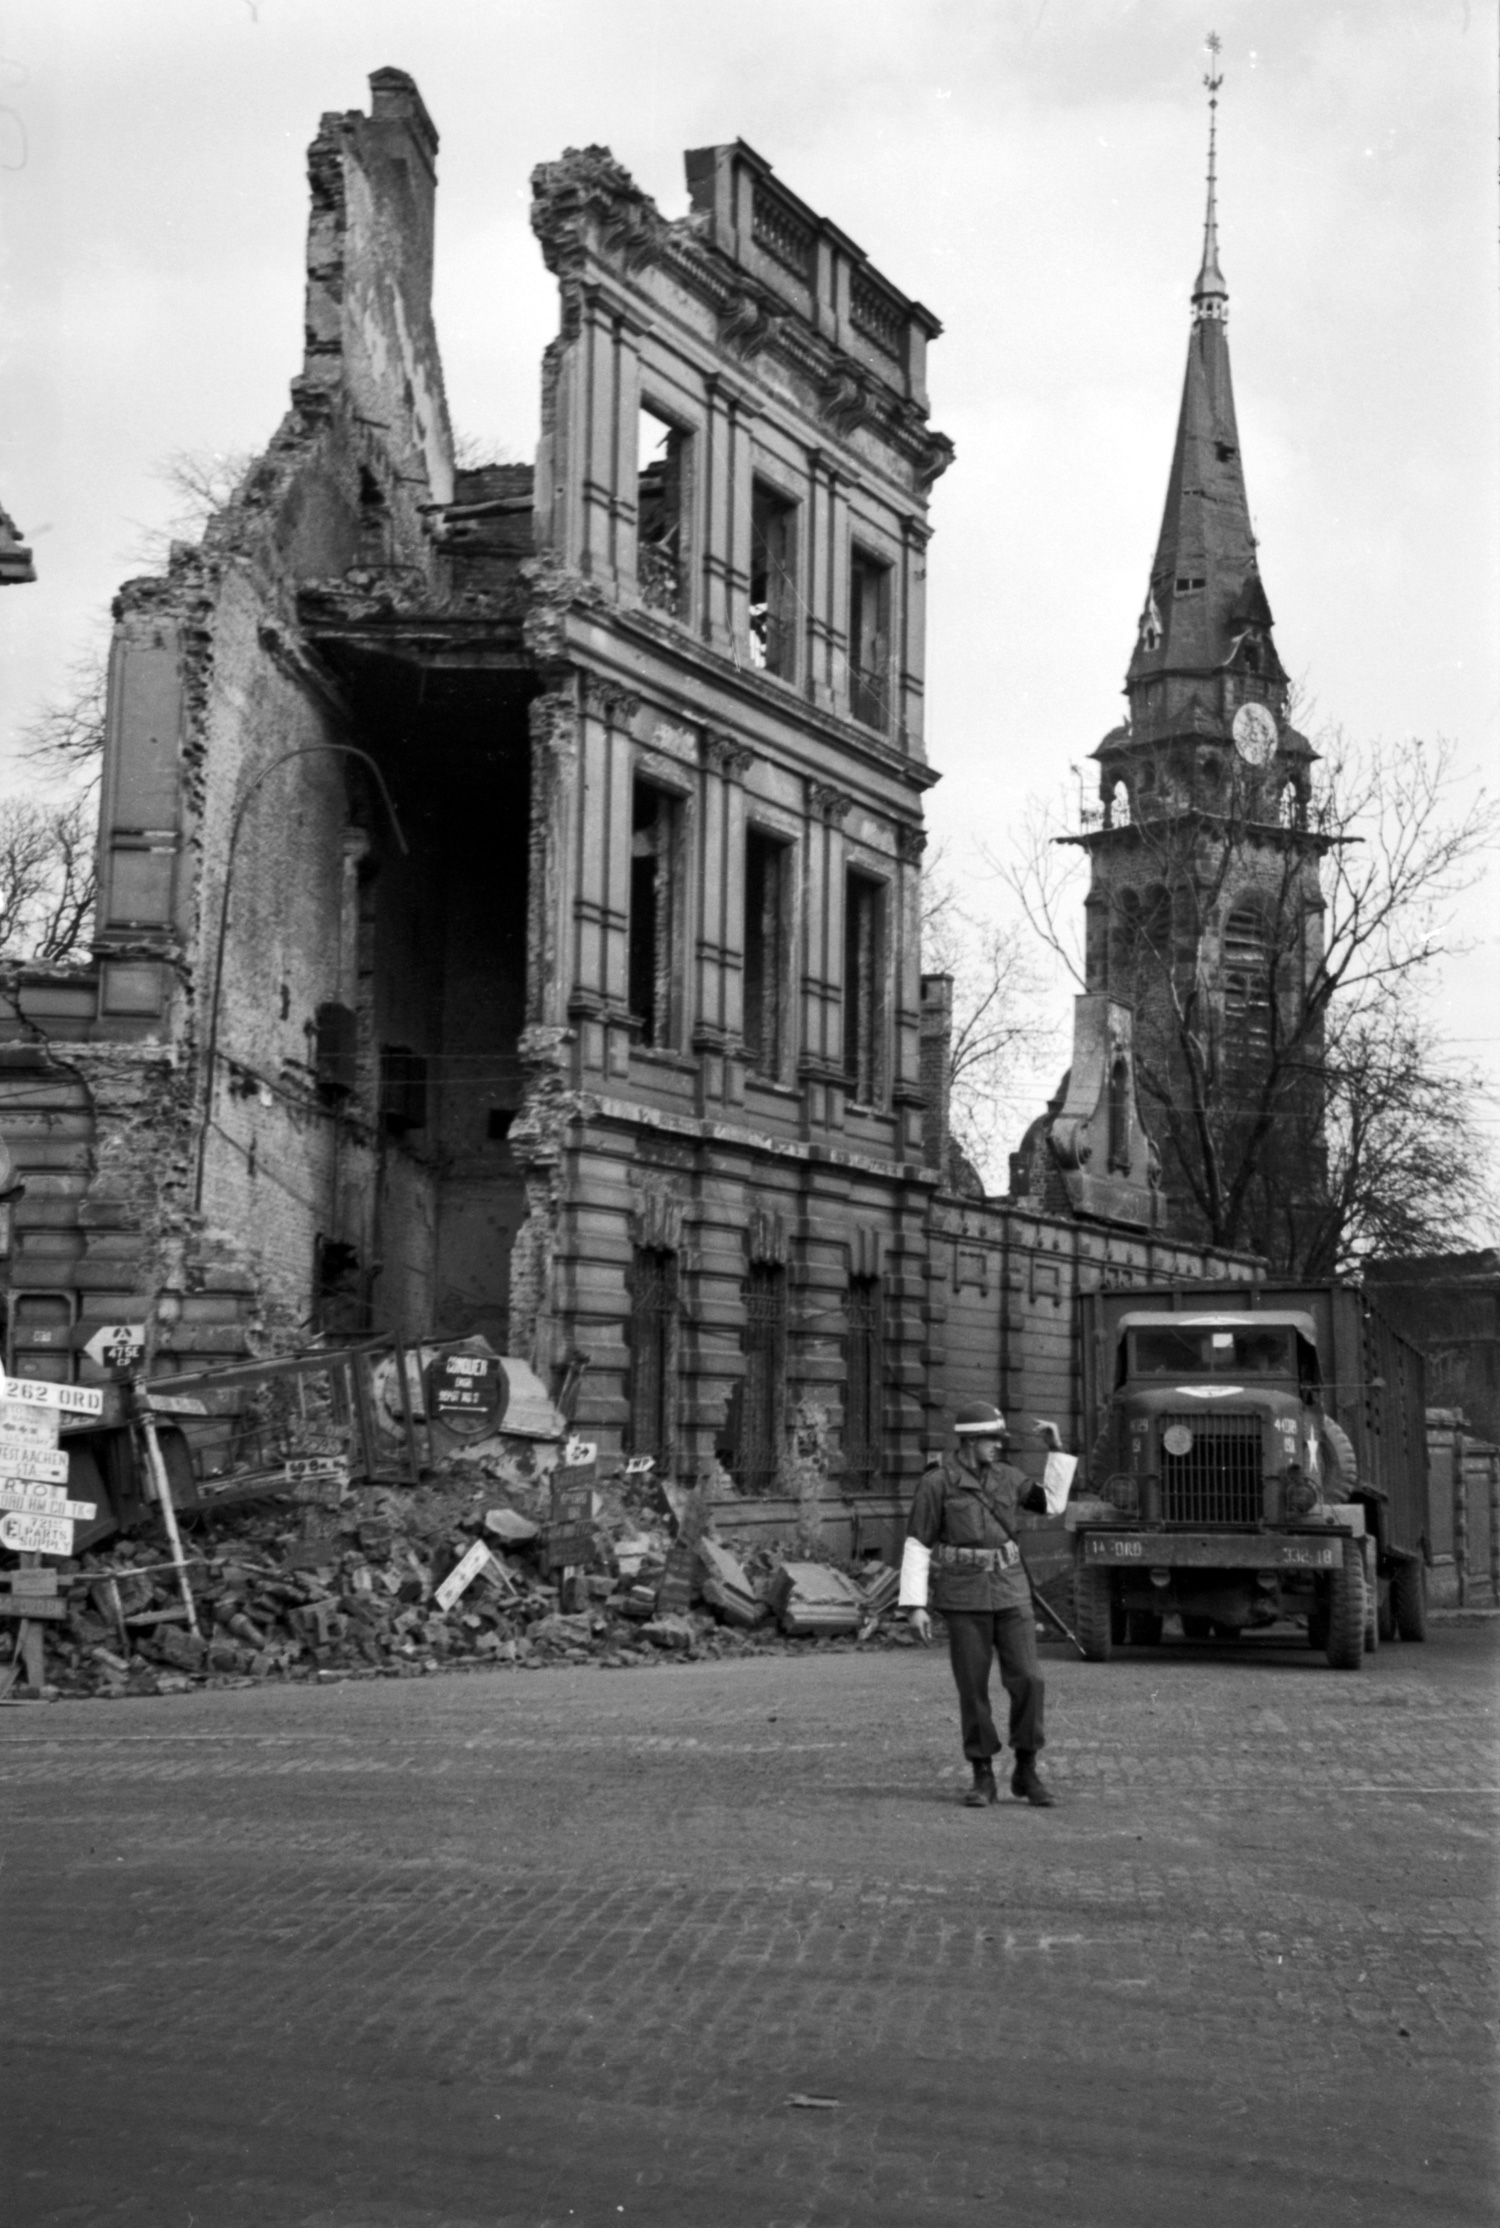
41	1392
27	1498
37	1535
117	1346
20	1460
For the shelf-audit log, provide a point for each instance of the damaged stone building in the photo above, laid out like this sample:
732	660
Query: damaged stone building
508	914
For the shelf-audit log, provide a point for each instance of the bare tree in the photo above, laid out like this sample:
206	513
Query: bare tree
999	1029
202	481
46	879
1271	1070
66	736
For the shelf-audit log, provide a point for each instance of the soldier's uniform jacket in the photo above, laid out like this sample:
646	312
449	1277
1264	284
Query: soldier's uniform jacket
963	1503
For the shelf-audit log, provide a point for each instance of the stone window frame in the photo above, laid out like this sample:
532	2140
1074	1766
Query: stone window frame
672	934
673	412
871	692
761	827
874	1063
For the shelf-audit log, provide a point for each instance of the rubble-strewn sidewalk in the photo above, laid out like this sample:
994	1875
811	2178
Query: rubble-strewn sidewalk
288	1594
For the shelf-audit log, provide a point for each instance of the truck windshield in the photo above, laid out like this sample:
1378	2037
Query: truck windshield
1203	1353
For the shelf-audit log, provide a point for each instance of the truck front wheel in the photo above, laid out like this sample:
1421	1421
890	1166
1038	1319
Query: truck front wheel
1093	1608
1409	1599
1346	1611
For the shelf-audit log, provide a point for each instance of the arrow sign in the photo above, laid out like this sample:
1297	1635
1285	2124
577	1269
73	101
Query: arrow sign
117	1345
37	1535
28	1499
20	1459
37	1427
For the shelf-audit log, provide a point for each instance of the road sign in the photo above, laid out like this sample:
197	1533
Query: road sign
26	1498
318	1477
462	1575
36	1427
117	1345
22	1458
174	1404
465	1391
41	1392
37	1535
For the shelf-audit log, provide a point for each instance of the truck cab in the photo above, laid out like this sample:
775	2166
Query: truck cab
1222	1488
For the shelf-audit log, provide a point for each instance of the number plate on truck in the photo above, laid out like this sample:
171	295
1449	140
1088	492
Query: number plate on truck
1312	1554
1113	1550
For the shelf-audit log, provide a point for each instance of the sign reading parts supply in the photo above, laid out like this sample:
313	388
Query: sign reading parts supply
37	1535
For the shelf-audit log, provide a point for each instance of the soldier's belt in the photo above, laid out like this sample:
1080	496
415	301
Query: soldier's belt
977	1558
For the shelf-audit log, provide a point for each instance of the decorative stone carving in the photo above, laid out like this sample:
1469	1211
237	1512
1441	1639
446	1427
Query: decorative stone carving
910	843
1097	1138
765	1237
831	805
748	323
606	700
934	455
845	397
656	1218
726	755
586	188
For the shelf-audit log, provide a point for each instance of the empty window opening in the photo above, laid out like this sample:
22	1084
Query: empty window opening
767	952
336	1050
864	1386
762	1394
864	963
498	1124
869	640
660	486
652	1338
403	1090
773	584
1119	1115
1188	583
1247	987
655	903
1143	935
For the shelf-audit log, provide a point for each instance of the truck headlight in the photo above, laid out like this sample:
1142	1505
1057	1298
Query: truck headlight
1122	1493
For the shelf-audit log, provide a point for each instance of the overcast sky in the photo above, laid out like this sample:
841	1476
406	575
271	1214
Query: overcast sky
1031	169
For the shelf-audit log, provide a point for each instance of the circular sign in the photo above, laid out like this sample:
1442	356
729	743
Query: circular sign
1177	1439
1255	734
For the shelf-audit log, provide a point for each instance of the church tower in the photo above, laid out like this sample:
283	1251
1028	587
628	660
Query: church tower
1204	911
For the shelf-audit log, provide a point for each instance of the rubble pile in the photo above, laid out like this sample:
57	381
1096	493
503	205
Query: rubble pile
358	1591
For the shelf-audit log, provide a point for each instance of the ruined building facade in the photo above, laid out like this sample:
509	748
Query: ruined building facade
509	876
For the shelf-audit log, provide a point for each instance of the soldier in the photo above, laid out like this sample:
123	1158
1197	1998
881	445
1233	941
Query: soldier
963	1529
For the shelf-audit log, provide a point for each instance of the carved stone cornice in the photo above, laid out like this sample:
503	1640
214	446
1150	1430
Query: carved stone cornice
910	843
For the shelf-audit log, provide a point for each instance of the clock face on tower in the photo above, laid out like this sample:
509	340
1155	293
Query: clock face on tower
1255	734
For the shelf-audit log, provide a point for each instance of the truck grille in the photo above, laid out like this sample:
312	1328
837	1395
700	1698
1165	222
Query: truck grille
1218	1480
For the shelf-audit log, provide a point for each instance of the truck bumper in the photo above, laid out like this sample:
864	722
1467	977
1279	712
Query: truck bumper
1314	1550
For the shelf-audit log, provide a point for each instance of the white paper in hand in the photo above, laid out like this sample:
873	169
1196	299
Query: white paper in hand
1057	1481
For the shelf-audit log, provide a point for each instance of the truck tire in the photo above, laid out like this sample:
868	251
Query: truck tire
1143	1628
1092	1613
1346	1611
1409	1599
1340	1467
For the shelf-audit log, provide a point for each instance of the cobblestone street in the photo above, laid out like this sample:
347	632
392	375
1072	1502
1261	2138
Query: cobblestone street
510	1950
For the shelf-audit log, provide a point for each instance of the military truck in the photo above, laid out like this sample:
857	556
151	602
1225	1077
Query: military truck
1258	1454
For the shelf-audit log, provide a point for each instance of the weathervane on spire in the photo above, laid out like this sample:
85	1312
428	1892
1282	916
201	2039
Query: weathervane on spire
1211	295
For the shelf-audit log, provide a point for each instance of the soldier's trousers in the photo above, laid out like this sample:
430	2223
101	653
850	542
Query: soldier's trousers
975	1638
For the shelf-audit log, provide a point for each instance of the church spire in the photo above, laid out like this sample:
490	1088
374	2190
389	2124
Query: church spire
1205	609
1210	294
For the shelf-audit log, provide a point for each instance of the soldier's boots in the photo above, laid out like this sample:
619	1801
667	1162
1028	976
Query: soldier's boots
984	1789
1027	1783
